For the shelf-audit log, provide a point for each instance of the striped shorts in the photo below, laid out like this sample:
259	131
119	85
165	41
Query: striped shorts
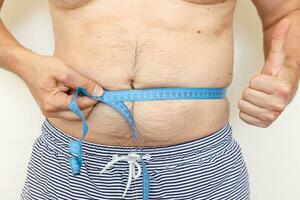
210	168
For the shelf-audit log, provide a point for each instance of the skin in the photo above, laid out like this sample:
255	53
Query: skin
173	43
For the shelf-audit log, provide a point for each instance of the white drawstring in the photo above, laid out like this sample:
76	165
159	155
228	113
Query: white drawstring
131	159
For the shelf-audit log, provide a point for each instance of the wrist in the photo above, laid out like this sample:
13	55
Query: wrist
20	60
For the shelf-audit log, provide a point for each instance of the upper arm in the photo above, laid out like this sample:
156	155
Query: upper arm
271	11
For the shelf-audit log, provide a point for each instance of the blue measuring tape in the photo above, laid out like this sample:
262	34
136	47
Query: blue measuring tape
116	99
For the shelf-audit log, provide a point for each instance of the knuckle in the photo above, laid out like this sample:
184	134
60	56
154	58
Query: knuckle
47	107
253	80
284	90
246	92
269	117
242	116
65	76
46	112
240	104
279	107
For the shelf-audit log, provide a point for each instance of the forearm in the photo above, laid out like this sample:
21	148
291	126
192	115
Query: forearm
292	45
13	56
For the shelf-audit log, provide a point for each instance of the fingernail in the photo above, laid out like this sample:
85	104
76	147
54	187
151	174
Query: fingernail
98	91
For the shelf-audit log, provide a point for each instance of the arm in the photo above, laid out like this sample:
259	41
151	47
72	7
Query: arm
49	79
12	54
271	13
271	91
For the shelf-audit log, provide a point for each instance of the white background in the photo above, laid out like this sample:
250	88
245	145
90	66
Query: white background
272	154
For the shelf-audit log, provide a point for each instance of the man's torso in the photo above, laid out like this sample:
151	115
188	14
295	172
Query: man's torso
137	44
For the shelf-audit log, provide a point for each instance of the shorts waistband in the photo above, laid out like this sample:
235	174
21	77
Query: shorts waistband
60	140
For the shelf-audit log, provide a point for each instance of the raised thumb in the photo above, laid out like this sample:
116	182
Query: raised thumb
276	57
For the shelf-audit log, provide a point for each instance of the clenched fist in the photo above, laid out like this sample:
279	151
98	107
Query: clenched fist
271	91
52	84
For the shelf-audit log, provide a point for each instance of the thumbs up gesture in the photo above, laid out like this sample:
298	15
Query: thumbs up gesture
271	91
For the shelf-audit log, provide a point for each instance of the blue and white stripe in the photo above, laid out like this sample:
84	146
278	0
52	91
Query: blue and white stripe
210	168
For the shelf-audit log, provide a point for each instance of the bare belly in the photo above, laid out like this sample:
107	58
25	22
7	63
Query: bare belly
145	44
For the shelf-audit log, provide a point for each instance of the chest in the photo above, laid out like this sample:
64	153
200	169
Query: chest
72	4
